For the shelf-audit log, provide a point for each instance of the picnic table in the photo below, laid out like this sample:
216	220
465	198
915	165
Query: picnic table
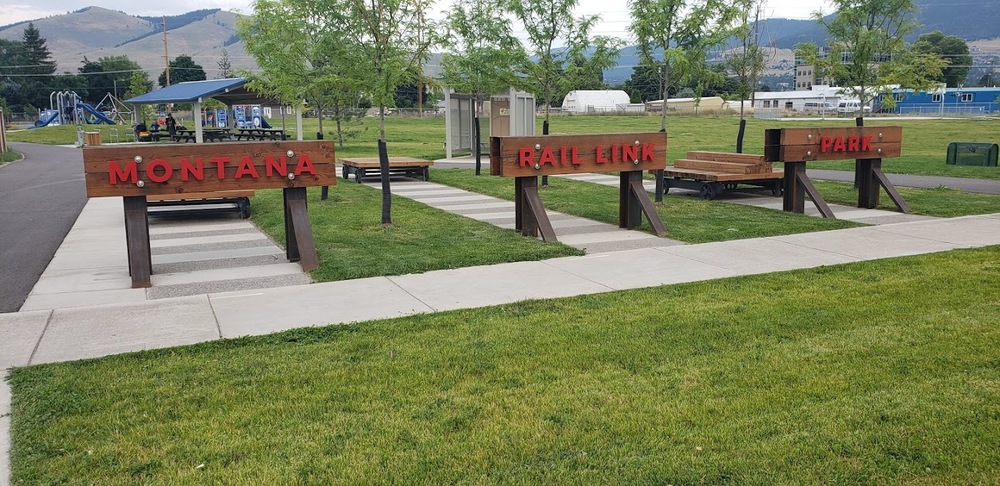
369	166
260	134
208	134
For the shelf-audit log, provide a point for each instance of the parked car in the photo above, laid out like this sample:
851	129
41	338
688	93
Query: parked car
851	106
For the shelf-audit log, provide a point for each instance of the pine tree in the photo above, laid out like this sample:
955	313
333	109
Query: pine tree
38	65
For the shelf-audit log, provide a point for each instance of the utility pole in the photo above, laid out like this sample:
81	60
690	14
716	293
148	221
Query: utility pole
166	57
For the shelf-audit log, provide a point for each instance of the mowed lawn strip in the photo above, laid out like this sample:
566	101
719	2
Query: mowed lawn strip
940	202
352	243
925	142
868	373
687	219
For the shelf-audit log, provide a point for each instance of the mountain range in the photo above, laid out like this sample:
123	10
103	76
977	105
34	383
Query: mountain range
95	32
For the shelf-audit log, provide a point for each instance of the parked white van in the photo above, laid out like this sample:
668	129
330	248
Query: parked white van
817	106
851	106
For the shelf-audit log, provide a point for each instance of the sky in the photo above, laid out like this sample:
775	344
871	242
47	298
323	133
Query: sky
614	20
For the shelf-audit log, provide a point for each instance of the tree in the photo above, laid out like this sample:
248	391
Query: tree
139	84
387	36
954	50
225	65
107	75
748	61
11	82
558	70
482	56
37	67
644	84
182	69
676	35
867	51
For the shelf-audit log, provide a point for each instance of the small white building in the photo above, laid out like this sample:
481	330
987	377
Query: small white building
595	101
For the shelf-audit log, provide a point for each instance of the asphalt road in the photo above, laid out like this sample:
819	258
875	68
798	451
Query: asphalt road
40	199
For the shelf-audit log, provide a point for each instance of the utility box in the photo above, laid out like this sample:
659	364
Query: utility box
972	153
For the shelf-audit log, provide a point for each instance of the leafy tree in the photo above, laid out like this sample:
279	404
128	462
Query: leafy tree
182	69
749	60
954	50
11	83
225	65
557	70
867	51
482	55
139	84
388	38
676	35
107	75
644	84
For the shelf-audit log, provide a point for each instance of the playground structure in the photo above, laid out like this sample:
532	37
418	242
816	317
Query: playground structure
66	108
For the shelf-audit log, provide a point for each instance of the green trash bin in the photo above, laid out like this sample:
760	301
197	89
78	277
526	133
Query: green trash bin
972	153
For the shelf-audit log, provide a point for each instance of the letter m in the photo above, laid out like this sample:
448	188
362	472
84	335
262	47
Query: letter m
129	174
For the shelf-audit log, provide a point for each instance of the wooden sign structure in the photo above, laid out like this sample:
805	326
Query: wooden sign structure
136	171
526	158
868	145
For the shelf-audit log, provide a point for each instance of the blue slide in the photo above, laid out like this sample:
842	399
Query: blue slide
43	121
264	123
101	117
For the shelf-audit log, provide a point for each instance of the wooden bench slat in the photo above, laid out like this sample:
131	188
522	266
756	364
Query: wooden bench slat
727	167
710	176
726	157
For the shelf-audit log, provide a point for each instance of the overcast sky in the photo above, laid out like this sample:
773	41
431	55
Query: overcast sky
614	13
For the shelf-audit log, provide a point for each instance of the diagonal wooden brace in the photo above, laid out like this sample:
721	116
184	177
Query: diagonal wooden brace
299	243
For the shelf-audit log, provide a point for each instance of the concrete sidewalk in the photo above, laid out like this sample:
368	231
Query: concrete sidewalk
44	336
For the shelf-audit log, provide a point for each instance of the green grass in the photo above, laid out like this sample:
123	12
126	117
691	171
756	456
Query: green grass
869	373
688	219
925	142
9	155
352	243
940	202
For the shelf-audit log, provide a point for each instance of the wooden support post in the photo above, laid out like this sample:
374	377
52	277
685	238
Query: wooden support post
140	263
299	242
641	198
797	185
529	212
659	185
868	187
629	210
871	178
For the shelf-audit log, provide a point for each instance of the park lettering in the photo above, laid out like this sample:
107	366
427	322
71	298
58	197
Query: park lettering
159	170
845	144
529	156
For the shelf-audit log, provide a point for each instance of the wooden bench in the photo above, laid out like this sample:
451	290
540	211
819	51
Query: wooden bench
369	166
241	199
710	173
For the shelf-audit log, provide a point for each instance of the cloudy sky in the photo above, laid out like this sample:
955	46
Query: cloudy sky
615	20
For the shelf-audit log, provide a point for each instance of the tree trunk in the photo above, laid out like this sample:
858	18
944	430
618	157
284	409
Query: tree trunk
478	135
383	165
739	136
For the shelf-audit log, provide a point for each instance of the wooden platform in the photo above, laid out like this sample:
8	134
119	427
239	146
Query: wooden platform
712	172
369	167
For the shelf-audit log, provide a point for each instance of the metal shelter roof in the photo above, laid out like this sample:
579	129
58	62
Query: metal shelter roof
230	91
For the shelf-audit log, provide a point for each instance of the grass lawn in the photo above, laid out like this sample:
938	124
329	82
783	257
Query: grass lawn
9	155
352	243
869	373
688	219
940	202
925	142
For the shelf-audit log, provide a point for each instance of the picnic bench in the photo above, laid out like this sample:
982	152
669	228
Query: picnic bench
210	134
710	173
229	200
260	134
369	166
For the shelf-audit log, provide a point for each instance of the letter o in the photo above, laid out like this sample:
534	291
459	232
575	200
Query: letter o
151	171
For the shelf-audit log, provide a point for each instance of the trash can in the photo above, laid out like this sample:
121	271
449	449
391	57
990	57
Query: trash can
92	138
972	153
